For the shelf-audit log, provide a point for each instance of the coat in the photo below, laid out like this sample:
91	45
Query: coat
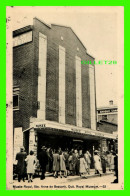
31	161
97	162
70	163
87	158
62	163
66	155
43	159
56	162
21	164
83	165
74	159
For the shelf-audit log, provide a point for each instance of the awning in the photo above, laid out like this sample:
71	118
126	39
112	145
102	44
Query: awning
70	129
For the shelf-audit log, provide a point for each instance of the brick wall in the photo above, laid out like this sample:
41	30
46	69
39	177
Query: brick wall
22	77
26	76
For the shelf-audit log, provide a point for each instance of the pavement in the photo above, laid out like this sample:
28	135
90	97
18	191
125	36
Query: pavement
69	183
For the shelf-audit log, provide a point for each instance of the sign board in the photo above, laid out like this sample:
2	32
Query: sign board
107	111
22	39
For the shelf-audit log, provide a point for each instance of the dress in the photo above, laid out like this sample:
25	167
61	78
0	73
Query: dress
83	165
56	162
62	163
97	162
31	160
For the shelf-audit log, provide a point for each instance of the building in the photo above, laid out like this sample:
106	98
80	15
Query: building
54	98
107	121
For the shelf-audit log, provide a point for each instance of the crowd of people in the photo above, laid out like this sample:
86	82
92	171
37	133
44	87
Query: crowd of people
64	163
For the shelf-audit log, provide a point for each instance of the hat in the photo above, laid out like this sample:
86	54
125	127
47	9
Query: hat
43	147
96	151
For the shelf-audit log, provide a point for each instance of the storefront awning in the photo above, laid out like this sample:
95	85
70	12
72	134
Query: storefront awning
42	125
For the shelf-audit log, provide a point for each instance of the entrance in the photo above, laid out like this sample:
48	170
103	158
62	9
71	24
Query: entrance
65	142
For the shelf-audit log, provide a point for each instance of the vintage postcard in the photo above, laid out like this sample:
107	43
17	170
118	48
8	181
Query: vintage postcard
65	98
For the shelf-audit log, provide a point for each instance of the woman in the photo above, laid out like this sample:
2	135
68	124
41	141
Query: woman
83	165
62	165
97	163
87	157
21	164
56	163
31	161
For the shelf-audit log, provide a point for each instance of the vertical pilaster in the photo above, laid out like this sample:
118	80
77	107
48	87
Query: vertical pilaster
42	76
61	84
92	97
78	92
33	141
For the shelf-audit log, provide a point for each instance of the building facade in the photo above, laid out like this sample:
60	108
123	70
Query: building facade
54	99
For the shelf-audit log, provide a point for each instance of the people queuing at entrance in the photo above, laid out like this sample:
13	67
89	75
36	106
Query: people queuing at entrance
63	163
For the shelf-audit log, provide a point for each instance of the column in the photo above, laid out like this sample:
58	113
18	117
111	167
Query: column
92	97
78	92
42	76
32	141
61	84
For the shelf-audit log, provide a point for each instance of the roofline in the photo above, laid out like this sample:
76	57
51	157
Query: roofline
48	25
90	55
72	31
104	108
22	30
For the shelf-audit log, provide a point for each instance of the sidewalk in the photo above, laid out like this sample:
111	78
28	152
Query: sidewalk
92	175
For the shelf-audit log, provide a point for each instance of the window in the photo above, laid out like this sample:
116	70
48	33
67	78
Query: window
104	117
16	99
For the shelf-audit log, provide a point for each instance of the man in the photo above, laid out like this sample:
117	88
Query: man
21	164
43	160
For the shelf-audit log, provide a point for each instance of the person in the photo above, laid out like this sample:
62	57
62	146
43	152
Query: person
87	157
112	161
21	164
62	165
97	163
103	162
31	161
75	162
49	165
116	167
108	159
70	163
66	155
83	165
43	160
56	163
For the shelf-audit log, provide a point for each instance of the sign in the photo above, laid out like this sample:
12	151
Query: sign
22	39
41	126
107	111
65	127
